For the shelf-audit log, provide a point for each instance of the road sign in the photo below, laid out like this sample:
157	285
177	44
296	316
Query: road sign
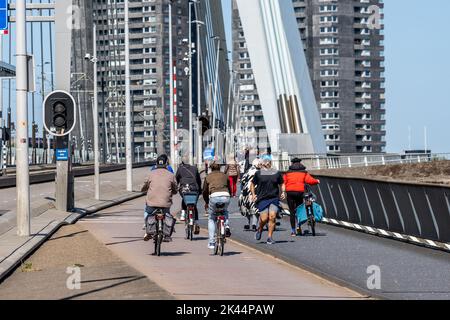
59	113
3	17
208	154
62	154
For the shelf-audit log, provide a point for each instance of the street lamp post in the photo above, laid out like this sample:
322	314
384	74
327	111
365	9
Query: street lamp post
215	98
191	136
22	165
128	150
172	119
95	120
199	99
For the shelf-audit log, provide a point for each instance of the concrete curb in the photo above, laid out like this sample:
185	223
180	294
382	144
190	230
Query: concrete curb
17	257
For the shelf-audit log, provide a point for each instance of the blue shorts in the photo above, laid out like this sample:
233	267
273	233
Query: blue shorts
271	208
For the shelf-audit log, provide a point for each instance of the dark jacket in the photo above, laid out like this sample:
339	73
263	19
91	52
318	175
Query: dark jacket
296	178
215	182
189	175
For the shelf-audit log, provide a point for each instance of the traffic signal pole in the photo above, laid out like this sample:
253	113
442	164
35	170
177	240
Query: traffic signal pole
22	166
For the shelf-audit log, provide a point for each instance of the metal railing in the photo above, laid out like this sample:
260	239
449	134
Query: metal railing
321	162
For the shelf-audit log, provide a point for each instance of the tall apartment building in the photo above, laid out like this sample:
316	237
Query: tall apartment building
149	72
149	69
346	60
251	118
345	53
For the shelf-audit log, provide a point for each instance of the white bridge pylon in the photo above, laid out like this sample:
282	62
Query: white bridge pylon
282	76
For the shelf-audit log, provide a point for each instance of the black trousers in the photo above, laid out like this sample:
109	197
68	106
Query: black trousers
295	199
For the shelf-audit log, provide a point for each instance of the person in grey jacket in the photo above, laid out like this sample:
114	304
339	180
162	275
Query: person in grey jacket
160	186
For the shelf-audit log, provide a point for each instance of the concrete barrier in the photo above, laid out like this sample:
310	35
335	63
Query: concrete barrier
49	176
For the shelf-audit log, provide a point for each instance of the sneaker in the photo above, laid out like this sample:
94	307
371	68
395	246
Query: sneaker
147	237
299	231
258	235
293	234
227	232
270	241
246	227
197	229
183	216
211	246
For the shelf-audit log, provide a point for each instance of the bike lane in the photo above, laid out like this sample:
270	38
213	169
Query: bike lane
188	270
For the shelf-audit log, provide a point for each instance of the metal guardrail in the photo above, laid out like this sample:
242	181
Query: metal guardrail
410	209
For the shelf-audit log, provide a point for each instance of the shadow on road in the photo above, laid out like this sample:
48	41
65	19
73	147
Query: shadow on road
104	288
68	235
172	254
229	254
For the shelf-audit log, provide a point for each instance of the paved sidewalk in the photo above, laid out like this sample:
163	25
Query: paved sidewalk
13	249
188	270
102	275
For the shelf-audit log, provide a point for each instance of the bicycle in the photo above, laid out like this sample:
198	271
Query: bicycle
190	199
158	227
219	247
159	237
309	199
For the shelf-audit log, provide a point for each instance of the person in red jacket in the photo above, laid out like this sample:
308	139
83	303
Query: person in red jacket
295	180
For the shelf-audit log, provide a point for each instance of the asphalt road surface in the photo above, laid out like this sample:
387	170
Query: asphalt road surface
189	270
406	271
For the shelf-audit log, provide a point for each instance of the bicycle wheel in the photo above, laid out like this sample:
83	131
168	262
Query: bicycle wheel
222	246
188	231
191	233
313	226
158	246
217	244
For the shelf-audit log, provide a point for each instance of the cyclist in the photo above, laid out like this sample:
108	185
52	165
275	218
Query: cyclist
216	189
295	180
246	204
189	181
161	186
169	167
268	193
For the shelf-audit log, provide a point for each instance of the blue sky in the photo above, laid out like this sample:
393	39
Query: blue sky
417	72
417	69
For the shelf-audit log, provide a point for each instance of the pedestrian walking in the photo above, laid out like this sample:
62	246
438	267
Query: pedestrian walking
246	204
232	169
267	189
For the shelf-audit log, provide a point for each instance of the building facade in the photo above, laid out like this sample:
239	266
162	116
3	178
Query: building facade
344	47
149	73
343	43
